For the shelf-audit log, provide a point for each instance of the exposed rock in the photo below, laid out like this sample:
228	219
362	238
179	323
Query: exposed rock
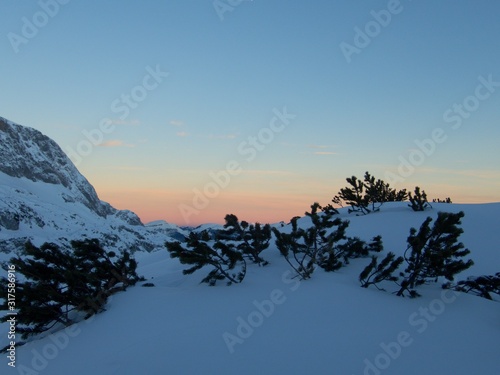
44	198
9	220
26	152
129	217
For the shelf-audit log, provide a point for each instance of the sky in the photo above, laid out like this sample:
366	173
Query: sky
189	110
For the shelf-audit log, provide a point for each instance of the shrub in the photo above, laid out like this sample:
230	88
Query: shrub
60	285
357	248
434	252
431	253
446	200
375	273
324	244
226	261
253	239
367	195
418	202
295	253
482	286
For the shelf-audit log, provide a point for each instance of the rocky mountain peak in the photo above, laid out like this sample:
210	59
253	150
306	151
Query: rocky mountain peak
26	152
44	198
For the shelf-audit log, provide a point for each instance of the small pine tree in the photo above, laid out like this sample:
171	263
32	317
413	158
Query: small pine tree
324	244
375	273
253	239
60	285
43	299
446	200
482	286
322	240
354	247
377	191
354	196
367	195
434	252
227	262
105	273
294	251
304	249
418	202
329	209
397	195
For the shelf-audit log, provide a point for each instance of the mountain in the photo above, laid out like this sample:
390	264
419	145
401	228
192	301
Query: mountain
43	197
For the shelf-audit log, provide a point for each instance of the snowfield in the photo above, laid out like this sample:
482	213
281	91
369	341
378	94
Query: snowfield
273	323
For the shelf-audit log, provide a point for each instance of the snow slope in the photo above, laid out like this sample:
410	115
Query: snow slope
274	324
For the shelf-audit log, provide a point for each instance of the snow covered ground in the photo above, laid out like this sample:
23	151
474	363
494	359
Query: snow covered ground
275	324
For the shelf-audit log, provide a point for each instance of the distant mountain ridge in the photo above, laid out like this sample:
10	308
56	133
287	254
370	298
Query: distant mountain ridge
43	197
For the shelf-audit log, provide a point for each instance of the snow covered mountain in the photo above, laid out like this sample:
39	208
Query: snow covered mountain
43	197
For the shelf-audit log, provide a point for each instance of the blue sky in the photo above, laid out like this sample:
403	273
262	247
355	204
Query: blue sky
230	69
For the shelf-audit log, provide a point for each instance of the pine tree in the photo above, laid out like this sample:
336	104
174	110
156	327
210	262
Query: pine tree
294	251
329	209
377	191
253	239
367	195
357	248
397	195
482	286
418	202
60	285
104	274
324	244
322	240
446	200
434	252
375	273
227	262
42	298
354	196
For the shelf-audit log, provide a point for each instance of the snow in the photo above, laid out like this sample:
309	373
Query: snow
207	227
52	215
272	323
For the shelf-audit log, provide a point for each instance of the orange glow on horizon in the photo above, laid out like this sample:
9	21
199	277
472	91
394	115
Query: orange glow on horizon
154	205
151	205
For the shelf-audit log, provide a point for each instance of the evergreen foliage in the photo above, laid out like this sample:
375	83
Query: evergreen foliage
367	195
294	252
102	272
61	285
433	253
324	244
253	239
482	286
375	273
227	262
397	195
354	247
354	196
329	209
418	202
446	200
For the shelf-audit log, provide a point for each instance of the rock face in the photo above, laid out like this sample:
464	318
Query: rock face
44	198
25	152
